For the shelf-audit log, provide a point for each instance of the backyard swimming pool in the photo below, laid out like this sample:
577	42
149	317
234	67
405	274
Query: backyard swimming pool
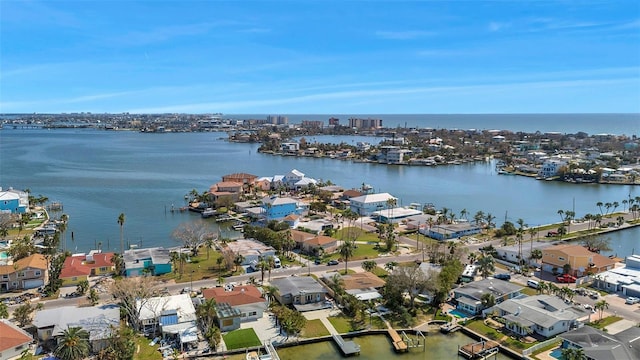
459	314
556	354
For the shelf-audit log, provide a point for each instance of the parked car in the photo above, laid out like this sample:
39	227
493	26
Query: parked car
566	278
552	233
632	300
332	262
317	261
504	276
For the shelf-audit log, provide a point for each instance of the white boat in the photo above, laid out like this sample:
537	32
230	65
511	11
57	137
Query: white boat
208	212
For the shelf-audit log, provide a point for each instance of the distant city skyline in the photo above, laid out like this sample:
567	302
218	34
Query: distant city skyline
313	57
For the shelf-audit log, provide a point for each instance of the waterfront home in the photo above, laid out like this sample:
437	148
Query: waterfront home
451	231
79	267
580	260
13	341
27	273
297	180
251	250
364	285
290	147
394	215
277	208
152	261
468	297
13	201
599	345
545	315
303	292
243	178
171	314
95	320
365	205
624	279
510	253
248	300
551	167
226	190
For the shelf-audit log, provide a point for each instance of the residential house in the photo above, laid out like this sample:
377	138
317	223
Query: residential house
152	261
171	314
581	260
290	147
303	292
545	315
364	285
251	250
229	318
599	345
13	341
624	279
277	208
27	273
394	215
293	220
451	231
226	190
243	178
247	300
13	201
300	237
320	244
96	320
365	205
551	167
79	267
468	296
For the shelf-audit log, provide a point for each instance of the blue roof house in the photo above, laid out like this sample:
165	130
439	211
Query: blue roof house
277	208
13	201
151	261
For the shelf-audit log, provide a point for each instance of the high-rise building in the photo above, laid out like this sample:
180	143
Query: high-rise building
334	121
365	123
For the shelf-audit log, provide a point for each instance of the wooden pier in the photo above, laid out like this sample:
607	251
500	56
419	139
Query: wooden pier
347	347
480	350
398	344
450	327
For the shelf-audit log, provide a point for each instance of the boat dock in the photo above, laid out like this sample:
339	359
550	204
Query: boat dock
398	343
347	347
450	327
271	351
480	350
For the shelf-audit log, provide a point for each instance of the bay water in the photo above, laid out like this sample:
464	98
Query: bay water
97	175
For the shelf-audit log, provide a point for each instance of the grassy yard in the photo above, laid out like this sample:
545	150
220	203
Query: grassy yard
601	324
241	338
199	268
344	324
144	351
380	272
479	327
314	328
529	291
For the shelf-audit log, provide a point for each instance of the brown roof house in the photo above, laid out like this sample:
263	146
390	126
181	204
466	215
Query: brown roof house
580	260
364	285
320	244
28	273
236	304
13	340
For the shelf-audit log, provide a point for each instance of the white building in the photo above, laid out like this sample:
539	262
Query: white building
625	279
551	167
251	250
365	205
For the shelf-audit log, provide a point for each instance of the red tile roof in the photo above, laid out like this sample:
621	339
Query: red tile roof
78	266
240	295
12	336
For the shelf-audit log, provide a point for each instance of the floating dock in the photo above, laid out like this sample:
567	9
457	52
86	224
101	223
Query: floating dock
479	350
347	347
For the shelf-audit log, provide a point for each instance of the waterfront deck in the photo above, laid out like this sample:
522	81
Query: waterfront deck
398	344
479	350
347	347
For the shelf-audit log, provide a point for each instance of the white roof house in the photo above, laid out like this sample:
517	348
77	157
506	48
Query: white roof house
96	320
365	205
153	308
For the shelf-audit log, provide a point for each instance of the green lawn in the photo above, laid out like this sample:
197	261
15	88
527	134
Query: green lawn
601	324
144	351
529	291
343	324
241	338
380	272
314	328
479	327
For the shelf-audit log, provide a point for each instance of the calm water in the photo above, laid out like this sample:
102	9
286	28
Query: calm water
99	174
376	347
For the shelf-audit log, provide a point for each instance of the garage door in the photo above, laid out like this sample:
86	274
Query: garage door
32	284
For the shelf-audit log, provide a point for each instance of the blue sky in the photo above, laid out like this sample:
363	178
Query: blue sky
322	57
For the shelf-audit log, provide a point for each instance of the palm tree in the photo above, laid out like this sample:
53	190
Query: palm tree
271	263
390	265
536	254
601	306
543	287
74	344
599	205
478	217
486	265
237	261
615	206
573	354
347	250
607	206
463	213
93	297
121	219
490	219
487	300
369	265
561	213
4	311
